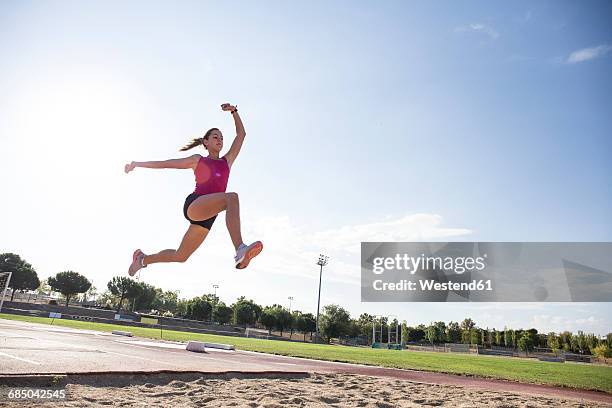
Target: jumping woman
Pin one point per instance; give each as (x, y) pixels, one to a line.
(209, 198)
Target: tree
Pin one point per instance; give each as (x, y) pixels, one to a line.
(295, 316)
(525, 342)
(211, 298)
(364, 324)
(353, 330)
(199, 308)
(23, 276)
(465, 336)
(334, 321)
(440, 331)
(574, 343)
(553, 342)
(307, 324)
(167, 301)
(246, 311)
(123, 287)
(430, 334)
(467, 324)
(69, 283)
(417, 334)
(474, 336)
(222, 313)
(405, 337)
(145, 296)
(592, 342)
(283, 318)
(435, 332)
(300, 324)
(581, 341)
(268, 319)
(602, 351)
(453, 332)
(181, 307)
(507, 337)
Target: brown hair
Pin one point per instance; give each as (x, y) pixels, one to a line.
(198, 141)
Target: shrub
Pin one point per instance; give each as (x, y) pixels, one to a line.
(602, 351)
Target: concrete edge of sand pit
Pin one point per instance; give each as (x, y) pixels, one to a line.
(200, 347)
(33, 380)
(122, 333)
(122, 378)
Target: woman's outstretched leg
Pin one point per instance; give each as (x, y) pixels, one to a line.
(192, 239)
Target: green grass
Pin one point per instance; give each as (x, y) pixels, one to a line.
(583, 376)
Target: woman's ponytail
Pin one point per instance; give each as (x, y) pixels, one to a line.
(192, 144)
(198, 141)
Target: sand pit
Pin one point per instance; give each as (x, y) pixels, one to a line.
(316, 390)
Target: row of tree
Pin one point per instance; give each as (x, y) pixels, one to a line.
(335, 321)
(24, 277)
(466, 332)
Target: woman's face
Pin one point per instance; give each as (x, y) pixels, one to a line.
(215, 141)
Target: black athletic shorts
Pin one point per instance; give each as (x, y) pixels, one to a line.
(205, 223)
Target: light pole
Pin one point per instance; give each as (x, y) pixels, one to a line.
(290, 299)
(212, 312)
(321, 262)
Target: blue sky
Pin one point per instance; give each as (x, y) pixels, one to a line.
(403, 121)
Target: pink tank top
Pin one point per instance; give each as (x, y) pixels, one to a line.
(211, 175)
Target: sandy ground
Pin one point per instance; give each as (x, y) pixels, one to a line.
(316, 390)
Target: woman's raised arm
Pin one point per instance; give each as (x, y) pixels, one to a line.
(240, 133)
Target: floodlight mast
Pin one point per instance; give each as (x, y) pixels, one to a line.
(323, 259)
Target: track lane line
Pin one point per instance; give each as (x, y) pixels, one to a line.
(140, 358)
(21, 359)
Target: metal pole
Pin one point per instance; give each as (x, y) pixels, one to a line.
(373, 330)
(212, 312)
(321, 262)
(397, 332)
(319, 304)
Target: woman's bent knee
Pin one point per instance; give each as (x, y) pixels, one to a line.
(181, 258)
(231, 198)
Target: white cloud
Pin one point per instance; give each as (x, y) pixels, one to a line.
(586, 54)
(479, 28)
(293, 250)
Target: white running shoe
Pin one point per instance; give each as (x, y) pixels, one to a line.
(245, 253)
(137, 262)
